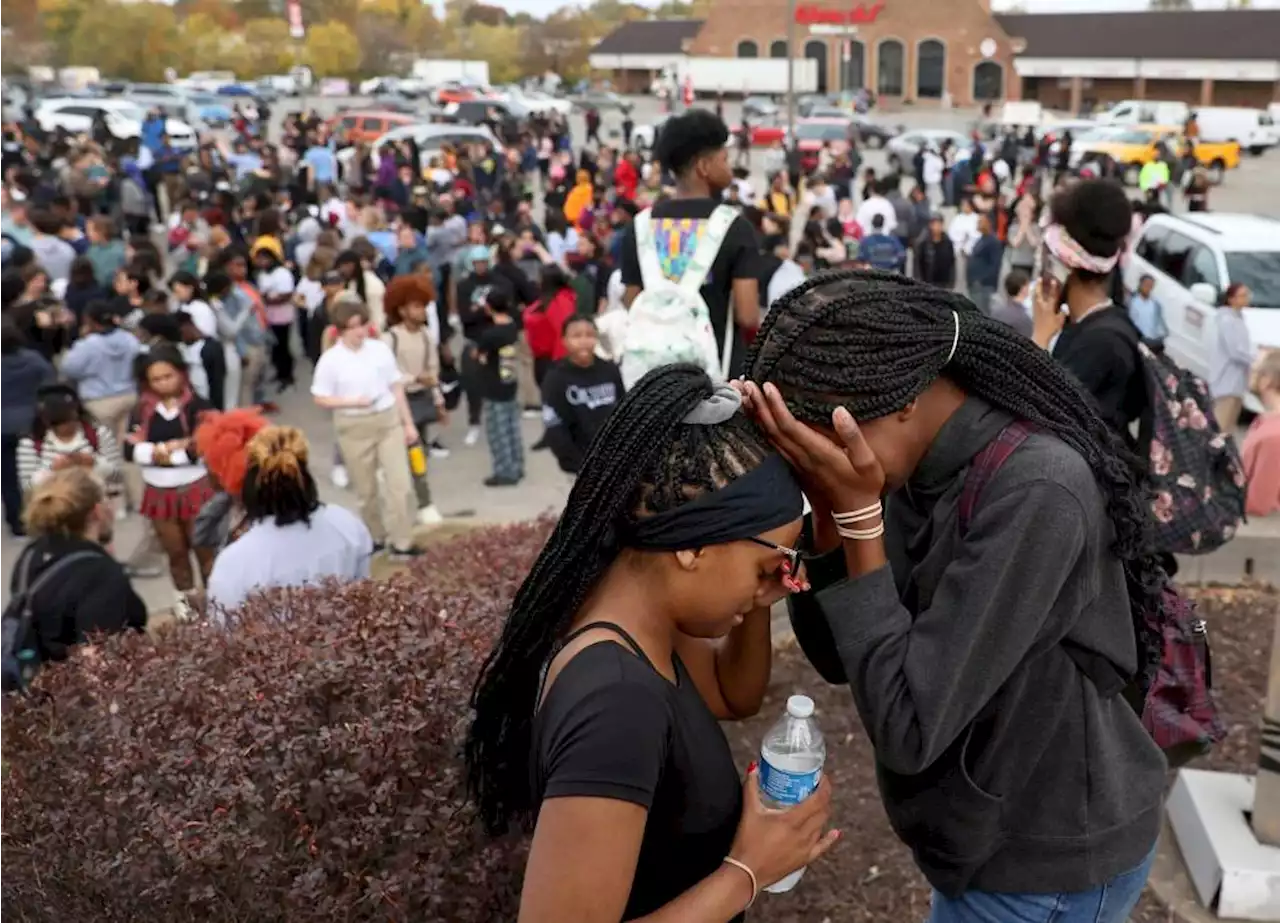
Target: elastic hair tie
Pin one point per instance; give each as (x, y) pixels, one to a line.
(955, 338)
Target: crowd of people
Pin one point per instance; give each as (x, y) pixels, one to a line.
(156, 304)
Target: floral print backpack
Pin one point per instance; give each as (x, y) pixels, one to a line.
(1196, 472)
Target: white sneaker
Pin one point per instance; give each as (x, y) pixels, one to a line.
(430, 516)
(530, 413)
(339, 477)
(438, 451)
(472, 437)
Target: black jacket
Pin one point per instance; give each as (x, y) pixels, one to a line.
(936, 262)
(88, 596)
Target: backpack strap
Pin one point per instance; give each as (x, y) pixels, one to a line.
(60, 564)
(1100, 671)
(647, 250)
(708, 248)
(986, 464)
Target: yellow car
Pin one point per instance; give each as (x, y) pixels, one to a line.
(1135, 145)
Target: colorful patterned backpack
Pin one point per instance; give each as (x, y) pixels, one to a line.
(1195, 471)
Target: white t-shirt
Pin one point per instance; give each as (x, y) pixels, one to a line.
(203, 317)
(964, 232)
(278, 281)
(369, 371)
(312, 293)
(334, 544)
(877, 205)
(933, 167)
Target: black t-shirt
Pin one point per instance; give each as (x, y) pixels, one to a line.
(678, 225)
(611, 726)
(499, 362)
(472, 292)
(1102, 352)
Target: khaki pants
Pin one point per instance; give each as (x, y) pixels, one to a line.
(255, 361)
(371, 443)
(528, 392)
(1226, 410)
(113, 413)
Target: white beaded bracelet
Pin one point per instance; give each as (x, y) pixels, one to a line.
(861, 535)
(862, 515)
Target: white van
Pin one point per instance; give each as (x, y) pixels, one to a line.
(1145, 112)
(1253, 129)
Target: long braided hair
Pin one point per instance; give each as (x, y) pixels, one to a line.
(644, 461)
(874, 341)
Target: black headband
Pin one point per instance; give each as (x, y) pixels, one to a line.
(760, 500)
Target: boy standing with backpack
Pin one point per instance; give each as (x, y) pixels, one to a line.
(691, 238)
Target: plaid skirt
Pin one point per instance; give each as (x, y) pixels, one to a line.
(180, 503)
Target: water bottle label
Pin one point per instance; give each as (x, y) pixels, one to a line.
(785, 787)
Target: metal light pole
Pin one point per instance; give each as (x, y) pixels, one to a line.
(791, 72)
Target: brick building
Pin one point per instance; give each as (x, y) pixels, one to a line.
(930, 51)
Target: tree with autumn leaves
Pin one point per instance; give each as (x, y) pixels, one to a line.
(344, 38)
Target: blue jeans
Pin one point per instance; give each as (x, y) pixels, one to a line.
(1110, 903)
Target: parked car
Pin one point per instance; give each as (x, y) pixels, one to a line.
(236, 89)
(903, 148)
(456, 92)
(430, 137)
(872, 134)
(1193, 258)
(538, 101)
(813, 135)
(210, 110)
(764, 133)
(1137, 145)
(759, 107)
(808, 102)
(643, 136)
(602, 100)
(124, 118)
(363, 125)
(1253, 129)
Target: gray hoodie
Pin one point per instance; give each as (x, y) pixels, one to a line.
(101, 364)
(999, 762)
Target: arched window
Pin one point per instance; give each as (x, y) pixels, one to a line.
(778, 49)
(988, 81)
(818, 51)
(890, 68)
(931, 69)
(748, 49)
(855, 66)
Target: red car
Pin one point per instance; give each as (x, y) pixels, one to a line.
(765, 134)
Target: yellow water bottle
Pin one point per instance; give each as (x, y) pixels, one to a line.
(417, 460)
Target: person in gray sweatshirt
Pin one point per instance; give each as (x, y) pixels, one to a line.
(100, 365)
(968, 638)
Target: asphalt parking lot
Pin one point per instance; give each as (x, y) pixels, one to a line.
(1253, 188)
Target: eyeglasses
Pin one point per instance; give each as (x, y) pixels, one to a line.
(792, 559)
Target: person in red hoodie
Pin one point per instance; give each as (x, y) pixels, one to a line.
(544, 319)
(626, 177)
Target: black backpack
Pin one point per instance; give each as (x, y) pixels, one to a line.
(20, 659)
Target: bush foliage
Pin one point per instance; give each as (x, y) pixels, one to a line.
(305, 765)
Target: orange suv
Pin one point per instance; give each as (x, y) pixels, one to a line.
(363, 126)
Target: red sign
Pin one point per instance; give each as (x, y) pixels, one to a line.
(861, 15)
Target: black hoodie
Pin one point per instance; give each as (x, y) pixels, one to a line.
(89, 595)
(576, 400)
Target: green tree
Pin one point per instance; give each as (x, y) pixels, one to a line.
(499, 45)
(268, 46)
(1172, 5)
(58, 20)
(331, 50)
(133, 40)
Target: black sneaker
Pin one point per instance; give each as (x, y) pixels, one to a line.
(539, 445)
(404, 554)
(379, 547)
(496, 481)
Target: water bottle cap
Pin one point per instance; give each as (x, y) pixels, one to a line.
(800, 706)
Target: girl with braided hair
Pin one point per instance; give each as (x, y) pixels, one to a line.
(976, 611)
(644, 620)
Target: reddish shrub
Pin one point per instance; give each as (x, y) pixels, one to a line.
(305, 765)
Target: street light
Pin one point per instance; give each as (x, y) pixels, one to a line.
(791, 71)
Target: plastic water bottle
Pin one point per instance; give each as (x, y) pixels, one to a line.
(791, 759)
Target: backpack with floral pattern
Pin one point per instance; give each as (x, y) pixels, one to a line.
(1196, 472)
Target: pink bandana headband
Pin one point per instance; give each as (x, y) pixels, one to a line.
(1067, 250)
